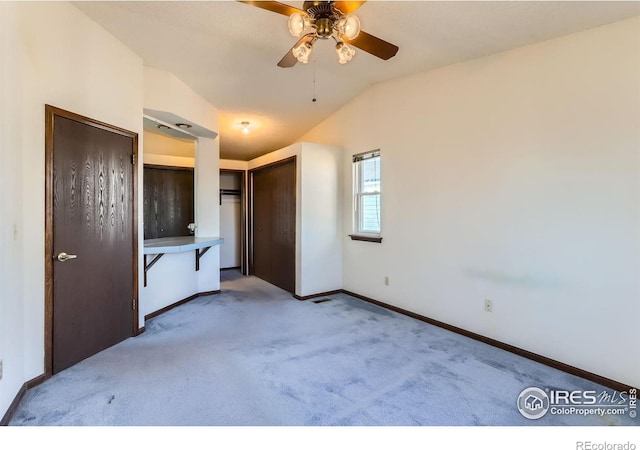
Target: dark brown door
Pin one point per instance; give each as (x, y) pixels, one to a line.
(274, 224)
(93, 222)
(168, 201)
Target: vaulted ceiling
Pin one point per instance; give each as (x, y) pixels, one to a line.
(227, 51)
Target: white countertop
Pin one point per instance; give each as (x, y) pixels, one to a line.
(179, 244)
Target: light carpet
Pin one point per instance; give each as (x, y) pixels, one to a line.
(253, 355)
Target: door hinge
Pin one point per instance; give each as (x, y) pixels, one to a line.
(133, 159)
(133, 304)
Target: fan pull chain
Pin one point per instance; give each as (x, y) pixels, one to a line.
(314, 81)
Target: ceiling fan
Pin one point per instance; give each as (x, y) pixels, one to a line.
(325, 20)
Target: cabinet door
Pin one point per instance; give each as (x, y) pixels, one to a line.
(168, 201)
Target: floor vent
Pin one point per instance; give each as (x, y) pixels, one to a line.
(322, 300)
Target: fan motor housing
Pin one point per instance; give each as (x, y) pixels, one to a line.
(324, 28)
(318, 9)
(322, 15)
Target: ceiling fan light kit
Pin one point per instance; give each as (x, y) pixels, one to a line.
(298, 23)
(345, 53)
(348, 27)
(323, 20)
(302, 52)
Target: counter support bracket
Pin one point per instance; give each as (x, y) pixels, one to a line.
(148, 266)
(200, 254)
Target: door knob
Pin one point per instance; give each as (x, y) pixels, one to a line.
(62, 257)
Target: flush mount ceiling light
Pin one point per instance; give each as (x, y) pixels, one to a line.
(162, 126)
(183, 125)
(245, 127)
(325, 20)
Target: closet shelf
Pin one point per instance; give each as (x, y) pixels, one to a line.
(228, 192)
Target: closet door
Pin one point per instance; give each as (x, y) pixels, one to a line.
(274, 224)
(262, 223)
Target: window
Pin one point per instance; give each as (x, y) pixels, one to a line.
(366, 190)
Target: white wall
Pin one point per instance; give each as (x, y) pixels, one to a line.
(163, 150)
(230, 180)
(207, 180)
(514, 177)
(321, 231)
(55, 56)
(168, 160)
(233, 164)
(166, 93)
(11, 230)
(157, 143)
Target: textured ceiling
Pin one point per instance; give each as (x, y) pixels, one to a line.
(227, 52)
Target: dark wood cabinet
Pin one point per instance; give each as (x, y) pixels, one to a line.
(168, 201)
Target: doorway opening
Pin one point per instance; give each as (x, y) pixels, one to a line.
(232, 202)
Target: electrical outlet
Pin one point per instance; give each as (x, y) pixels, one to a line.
(386, 281)
(488, 305)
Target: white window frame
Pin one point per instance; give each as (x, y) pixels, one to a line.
(358, 194)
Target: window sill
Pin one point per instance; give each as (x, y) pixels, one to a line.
(360, 237)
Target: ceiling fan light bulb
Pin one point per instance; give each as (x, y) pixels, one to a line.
(302, 52)
(345, 52)
(349, 27)
(298, 23)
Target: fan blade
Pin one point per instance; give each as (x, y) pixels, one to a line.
(275, 7)
(375, 46)
(289, 59)
(348, 7)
